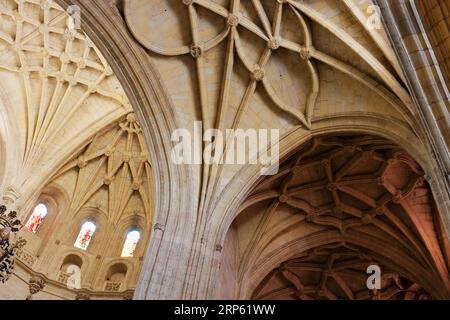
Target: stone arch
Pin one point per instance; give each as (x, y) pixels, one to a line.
(227, 206)
(102, 23)
(434, 280)
(56, 199)
(116, 46)
(125, 269)
(72, 259)
(402, 263)
(72, 255)
(384, 128)
(124, 226)
(120, 264)
(98, 218)
(411, 270)
(117, 268)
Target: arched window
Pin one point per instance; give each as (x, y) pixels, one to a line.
(39, 213)
(117, 273)
(85, 235)
(71, 271)
(131, 241)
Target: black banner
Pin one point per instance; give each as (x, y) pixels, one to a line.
(174, 310)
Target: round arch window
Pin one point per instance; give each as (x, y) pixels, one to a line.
(85, 235)
(37, 217)
(131, 242)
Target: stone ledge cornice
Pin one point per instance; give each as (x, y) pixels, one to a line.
(59, 285)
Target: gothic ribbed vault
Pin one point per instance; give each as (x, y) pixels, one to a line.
(365, 172)
(337, 206)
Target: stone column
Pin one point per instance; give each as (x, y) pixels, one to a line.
(408, 37)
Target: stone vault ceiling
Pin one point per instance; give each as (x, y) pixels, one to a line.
(282, 45)
(112, 174)
(304, 67)
(109, 183)
(337, 206)
(268, 64)
(334, 272)
(307, 68)
(68, 140)
(57, 90)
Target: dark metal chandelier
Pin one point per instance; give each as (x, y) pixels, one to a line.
(9, 223)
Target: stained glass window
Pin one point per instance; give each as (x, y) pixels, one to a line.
(39, 213)
(85, 235)
(130, 243)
